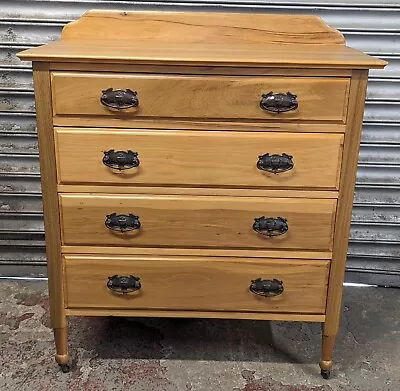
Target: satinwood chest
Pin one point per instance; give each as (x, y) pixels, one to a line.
(198, 165)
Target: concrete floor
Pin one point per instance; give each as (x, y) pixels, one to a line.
(198, 354)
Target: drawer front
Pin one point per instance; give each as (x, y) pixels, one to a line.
(218, 97)
(210, 284)
(197, 221)
(199, 158)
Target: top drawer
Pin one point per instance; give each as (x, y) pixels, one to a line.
(205, 97)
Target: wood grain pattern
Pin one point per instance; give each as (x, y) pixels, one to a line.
(41, 80)
(173, 38)
(198, 158)
(275, 193)
(196, 314)
(200, 77)
(199, 124)
(198, 27)
(200, 70)
(190, 284)
(345, 202)
(203, 252)
(218, 97)
(197, 221)
(205, 54)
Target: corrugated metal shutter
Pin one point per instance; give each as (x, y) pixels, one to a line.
(370, 25)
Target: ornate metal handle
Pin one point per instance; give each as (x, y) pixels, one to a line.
(124, 284)
(266, 288)
(122, 222)
(275, 163)
(279, 103)
(121, 160)
(119, 99)
(270, 226)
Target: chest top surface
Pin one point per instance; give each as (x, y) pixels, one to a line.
(199, 38)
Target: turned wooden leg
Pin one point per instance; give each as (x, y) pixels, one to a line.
(328, 342)
(61, 341)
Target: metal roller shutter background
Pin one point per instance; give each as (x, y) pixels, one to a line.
(370, 25)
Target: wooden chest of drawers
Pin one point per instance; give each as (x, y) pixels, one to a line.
(198, 165)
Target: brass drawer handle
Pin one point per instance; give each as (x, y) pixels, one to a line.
(124, 284)
(121, 160)
(121, 222)
(279, 103)
(270, 226)
(275, 163)
(266, 288)
(119, 99)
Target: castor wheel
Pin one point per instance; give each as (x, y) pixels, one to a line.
(326, 374)
(64, 368)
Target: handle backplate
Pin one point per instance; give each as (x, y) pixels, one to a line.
(278, 102)
(270, 226)
(121, 160)
(275, 163)
(119, 99)
(266, 288)
(123, 284)
(122, 222)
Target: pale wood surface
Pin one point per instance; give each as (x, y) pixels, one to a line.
(61, 342)
(198, 158)
(328, 343)
(199, 124)
(262, 55)
(197, 221)
(198, 27)
(218, 97)
(207, 252)
(196, 314)
(41, 79)
(201, 70)
(345, 202)
(278, 193)
(228, 39)
(190, 284)
(196, 251)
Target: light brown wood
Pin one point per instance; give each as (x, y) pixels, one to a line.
(328, 343)
(345, 202)
(196, 124)
(196, 314)
(263, 253)
(198, 158)
(202, 38)
(61, 342)
(200, 77)
(197, 221)
(189, 284)
(206, 54)
(276, 193)
(219, 97)
(198, 27)
(202, 70)
(41, 79)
